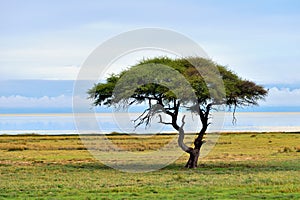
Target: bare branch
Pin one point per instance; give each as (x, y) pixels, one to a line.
(143, 118)
(181, 143)
(140, 116)
(183, 122)
(146, 116)
(131, 102)
(208, 108)
(160, 121)
(234, 120)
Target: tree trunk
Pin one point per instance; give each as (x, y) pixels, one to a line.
(193, 160)
(195, 152)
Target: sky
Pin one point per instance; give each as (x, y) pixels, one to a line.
(43, 44)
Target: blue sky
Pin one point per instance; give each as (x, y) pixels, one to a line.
(47, 41)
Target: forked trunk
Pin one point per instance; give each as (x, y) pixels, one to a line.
(195, 152)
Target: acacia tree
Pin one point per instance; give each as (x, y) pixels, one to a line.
(163, 98)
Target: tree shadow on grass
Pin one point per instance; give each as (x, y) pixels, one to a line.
(230, 167)
(135, 168)
(90, 166)
(205, 168)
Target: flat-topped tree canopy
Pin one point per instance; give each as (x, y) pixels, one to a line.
(238, 92)
(166, 85)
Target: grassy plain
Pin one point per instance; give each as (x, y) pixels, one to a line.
(241, 166)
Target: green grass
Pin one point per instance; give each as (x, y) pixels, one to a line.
(241, 166)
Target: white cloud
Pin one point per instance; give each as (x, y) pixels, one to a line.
(30, 102)
(61, 101)
(282, 97)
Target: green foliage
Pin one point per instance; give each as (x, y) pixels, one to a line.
(204, 87)
(103, 92)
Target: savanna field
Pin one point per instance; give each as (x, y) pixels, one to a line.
(241, 166)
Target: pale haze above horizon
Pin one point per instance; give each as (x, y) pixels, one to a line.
(44, 43)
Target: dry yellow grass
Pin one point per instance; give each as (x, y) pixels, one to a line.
(241, 166)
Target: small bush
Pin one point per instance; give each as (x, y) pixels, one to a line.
(286, 150)
(16, 149)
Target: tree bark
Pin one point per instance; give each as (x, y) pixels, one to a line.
(193, 160)
(195, 152)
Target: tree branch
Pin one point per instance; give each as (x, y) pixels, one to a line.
(160, 121)
(181, 143)
(146, 116)
(183, 122)
(233, 115)
(142, 118)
